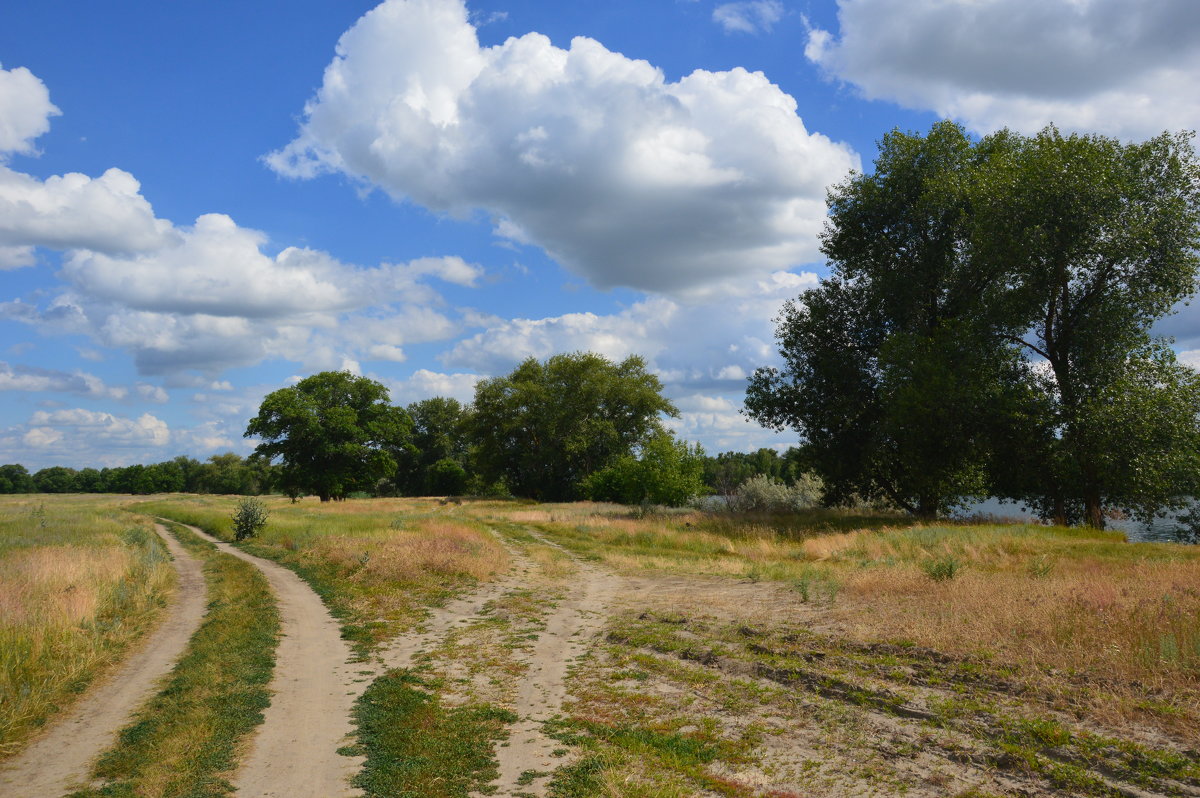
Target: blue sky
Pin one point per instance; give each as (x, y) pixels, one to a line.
(202, 201)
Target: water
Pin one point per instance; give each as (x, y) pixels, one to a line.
(1163, 530)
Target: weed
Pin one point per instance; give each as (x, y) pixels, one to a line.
(942, 569)
(249, 519)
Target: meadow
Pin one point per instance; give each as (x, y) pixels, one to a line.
(822, 652)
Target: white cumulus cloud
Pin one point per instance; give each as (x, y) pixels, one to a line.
(21, 377)
(106, 213)
(1121, 67)
(25, 110)
(622, 176)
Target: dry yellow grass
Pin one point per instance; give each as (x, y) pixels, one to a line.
(1066, 604)
(79, 582)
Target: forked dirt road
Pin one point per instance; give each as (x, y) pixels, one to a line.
(294, 754)
(59, 760)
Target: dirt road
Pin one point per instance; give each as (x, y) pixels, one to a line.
(59, 760)
(294, 753)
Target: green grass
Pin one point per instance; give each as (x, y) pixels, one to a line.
(418, 748)
(80, 583)
(186, 740)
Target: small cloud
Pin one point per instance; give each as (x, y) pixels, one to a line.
(480, 19)
(755, 16)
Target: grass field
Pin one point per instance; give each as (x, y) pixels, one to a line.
(80, 581)
(823, 653)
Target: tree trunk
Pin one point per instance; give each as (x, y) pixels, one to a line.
(1094, 511)
(1060, 511)
(325, 497)
(927, 508)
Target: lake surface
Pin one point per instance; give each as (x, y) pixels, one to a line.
(1161, 531)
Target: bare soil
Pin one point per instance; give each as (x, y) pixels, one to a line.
(60, 758)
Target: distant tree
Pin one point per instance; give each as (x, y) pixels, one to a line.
(546, 426)
(191, 470)
(227, 473)
(446, 477)
(89, 480)
(331, 433)
(166, 477)
(15, 479)
(666, 471)
(440, 437)
(55, 479)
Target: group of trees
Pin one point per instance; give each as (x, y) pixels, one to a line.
(222, 473)
(986, 327)
(575, 426)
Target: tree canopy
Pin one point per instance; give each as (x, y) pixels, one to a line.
(333, 433)
(986, 325)
(546, 426)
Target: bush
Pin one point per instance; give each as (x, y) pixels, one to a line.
(762, 492)
(249, 519)
(942, 569)
(669, 472)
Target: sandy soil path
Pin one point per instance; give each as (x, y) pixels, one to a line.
(294, 753)
(59, 759)
(570, 627)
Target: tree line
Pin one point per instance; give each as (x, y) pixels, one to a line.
(221, 473)
(986, 328)
(574, 426)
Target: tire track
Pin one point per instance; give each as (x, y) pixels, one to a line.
(294, 753)
(60, 759)
(570, 627)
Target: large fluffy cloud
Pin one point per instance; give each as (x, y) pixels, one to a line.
(25, 110)
(622, 176)
(106, 213)
(1122, 67)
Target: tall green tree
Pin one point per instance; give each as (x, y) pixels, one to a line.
(1103, 237)
(986, 325)
(546, 426)
(892, 361)
(332, 434)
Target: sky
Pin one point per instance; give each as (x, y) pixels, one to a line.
(204, 201)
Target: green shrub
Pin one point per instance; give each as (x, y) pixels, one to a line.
(249, 518)
(942, 569)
